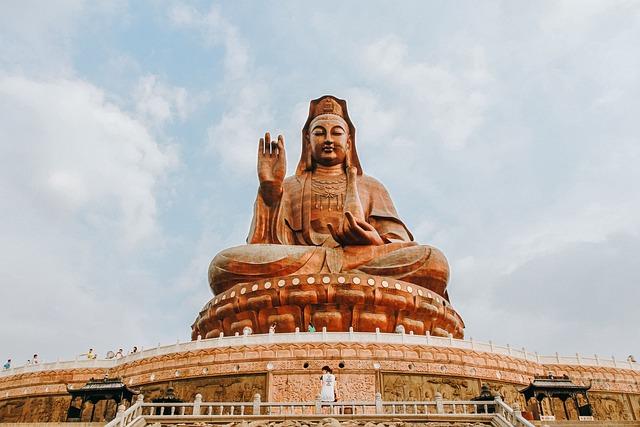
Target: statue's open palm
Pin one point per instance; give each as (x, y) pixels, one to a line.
(272, 166)
(272, 162)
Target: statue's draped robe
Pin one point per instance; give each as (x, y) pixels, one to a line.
(282, 242)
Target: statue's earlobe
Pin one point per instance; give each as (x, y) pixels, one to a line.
(309, 158)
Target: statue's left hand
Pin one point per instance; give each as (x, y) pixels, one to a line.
(355, 232)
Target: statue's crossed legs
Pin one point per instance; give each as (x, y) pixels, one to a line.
(422, 265)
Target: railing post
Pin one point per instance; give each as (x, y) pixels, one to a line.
(439, 404)
(499, 408)
(318, 404)
(196, 404)
(517, 412)
(378, 403)
(120, 414)
(256, 404)
(139, 402)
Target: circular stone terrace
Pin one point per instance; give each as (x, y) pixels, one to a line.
(354, 354)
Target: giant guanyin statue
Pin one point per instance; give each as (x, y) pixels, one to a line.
(326, 247)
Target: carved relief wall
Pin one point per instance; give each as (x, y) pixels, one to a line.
(43, 409)
(557, 409)
(304, 387)
(232, 388)
(424, 387)
(609, 406)
(634, 401)
(213, 389)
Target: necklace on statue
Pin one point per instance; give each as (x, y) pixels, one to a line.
(329, 193)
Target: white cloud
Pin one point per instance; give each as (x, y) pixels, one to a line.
(37, 35)
(79, 182)
(451, 101)
(158, 102)
(216, 30)
(38, 38)
(234, 139)
(74, 153)
(247, 109)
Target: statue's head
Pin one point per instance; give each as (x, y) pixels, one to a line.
(328, 136)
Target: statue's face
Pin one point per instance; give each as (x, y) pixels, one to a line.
(329, 139)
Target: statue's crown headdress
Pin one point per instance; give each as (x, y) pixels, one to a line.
(327, 105)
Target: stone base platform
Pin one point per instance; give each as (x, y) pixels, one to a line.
(336, 302)
(286, 367)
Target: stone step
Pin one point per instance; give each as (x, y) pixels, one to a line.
(56, 424)
(331, 423)
(573, 423)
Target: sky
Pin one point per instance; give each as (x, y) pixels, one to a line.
(507, 134)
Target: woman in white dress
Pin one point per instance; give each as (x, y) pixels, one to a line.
(328, 391)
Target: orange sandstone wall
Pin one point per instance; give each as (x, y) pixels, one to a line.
(290, 372)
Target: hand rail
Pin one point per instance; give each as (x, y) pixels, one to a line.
(512, 415)
(199, 410)
(126, 417)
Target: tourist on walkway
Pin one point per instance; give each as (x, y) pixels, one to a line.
(7, 365)
(119, 354)
(272, 328)
(311, 328)
(328, 380)
(134, 350)
(90, 354)
(35, 359)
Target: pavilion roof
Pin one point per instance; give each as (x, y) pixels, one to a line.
(105, 386)
(553, 385)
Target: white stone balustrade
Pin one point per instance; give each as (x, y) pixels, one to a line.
(143, 413)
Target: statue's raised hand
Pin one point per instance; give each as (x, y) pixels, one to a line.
(272, 167)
